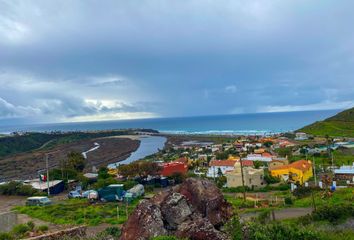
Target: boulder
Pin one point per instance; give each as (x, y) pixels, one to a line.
(208, 199)
(196, 209)
(145, 222)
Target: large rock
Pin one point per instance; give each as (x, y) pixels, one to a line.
(208, 200)
(144, 223)
(195, 210)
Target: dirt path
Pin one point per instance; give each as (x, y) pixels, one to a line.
(280, 214)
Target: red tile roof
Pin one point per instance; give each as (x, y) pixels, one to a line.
(220, 163)
(247, 163)
(173, 167)
(182, 160)
(265, 154)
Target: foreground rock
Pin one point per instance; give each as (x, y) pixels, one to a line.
(196, 209)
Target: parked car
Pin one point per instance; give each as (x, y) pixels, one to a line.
(74, 194)
(38, 201)
(90, 194)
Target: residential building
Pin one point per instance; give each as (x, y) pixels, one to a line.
(345, 173)
(171, 168)
(299, 171)
(277, 162)
(217, 166)
(301, 136)
(252, 177)
(264, 157)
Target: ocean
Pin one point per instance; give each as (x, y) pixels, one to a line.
(245, 124)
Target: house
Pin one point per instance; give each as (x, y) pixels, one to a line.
(55, 186)
(299, 171)
(259, 150)
(182, 160)
(345, 173)
(171, 168)
(277, 162)
(252, 177)
(264, 157)
(217, 166)
(301, 136)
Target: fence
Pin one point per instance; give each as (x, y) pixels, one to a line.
(7, 221)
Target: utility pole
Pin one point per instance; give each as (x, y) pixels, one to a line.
(314, 170)
(243, 181)
(46, 163)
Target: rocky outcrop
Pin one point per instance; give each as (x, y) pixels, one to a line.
(196, 209)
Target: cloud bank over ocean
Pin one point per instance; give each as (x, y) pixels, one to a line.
(88, 60)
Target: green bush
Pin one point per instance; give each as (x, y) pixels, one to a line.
(42, 228)
(270, 179)
(279, 231)
(301, 192)
(6, 236)
(20, 229)
(333, 214)
(239, 189)
(288, 201)
(31, 225)
(17, 188)
(113, 231)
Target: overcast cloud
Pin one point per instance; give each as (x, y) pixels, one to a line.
(99, 60)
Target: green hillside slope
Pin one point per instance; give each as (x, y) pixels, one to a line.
(340, 125)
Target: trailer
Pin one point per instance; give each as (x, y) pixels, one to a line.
(111, 193)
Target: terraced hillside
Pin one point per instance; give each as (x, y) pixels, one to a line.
(340, 125)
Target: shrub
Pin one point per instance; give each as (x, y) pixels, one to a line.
(113, 231)
(239, 189)
(17, 188)
(256, 231)
(270, 179)
(333, 214)
(6, 236)
(42, 228)
(20, 229)
(301, 192)
(31, 225)
(234, 228)
(288, 201)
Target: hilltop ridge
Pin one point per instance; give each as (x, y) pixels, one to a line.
(339, 125)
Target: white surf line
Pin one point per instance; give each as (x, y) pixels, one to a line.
(97, 146)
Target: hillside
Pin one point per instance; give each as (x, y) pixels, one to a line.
(340, 125)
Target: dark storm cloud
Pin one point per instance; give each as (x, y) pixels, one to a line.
(170, 58)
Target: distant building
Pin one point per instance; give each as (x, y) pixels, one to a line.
(55, 186)
(277, 163)
(171, 168)
(345, 173)
(215, 166)
(301, 136)
(299, 171)
(264, 157)
(252, 177)
(259, 150)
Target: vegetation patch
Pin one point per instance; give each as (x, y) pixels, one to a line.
(79, 211)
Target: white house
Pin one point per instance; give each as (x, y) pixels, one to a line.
(223, 165)
(259, 157)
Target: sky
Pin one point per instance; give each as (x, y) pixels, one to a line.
(85, 60)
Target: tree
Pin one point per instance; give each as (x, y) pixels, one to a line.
(257, 164)
(76, 161)
(222, 155)
(268, 144)
(141, 169)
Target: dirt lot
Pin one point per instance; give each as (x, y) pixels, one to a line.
(25, 165)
